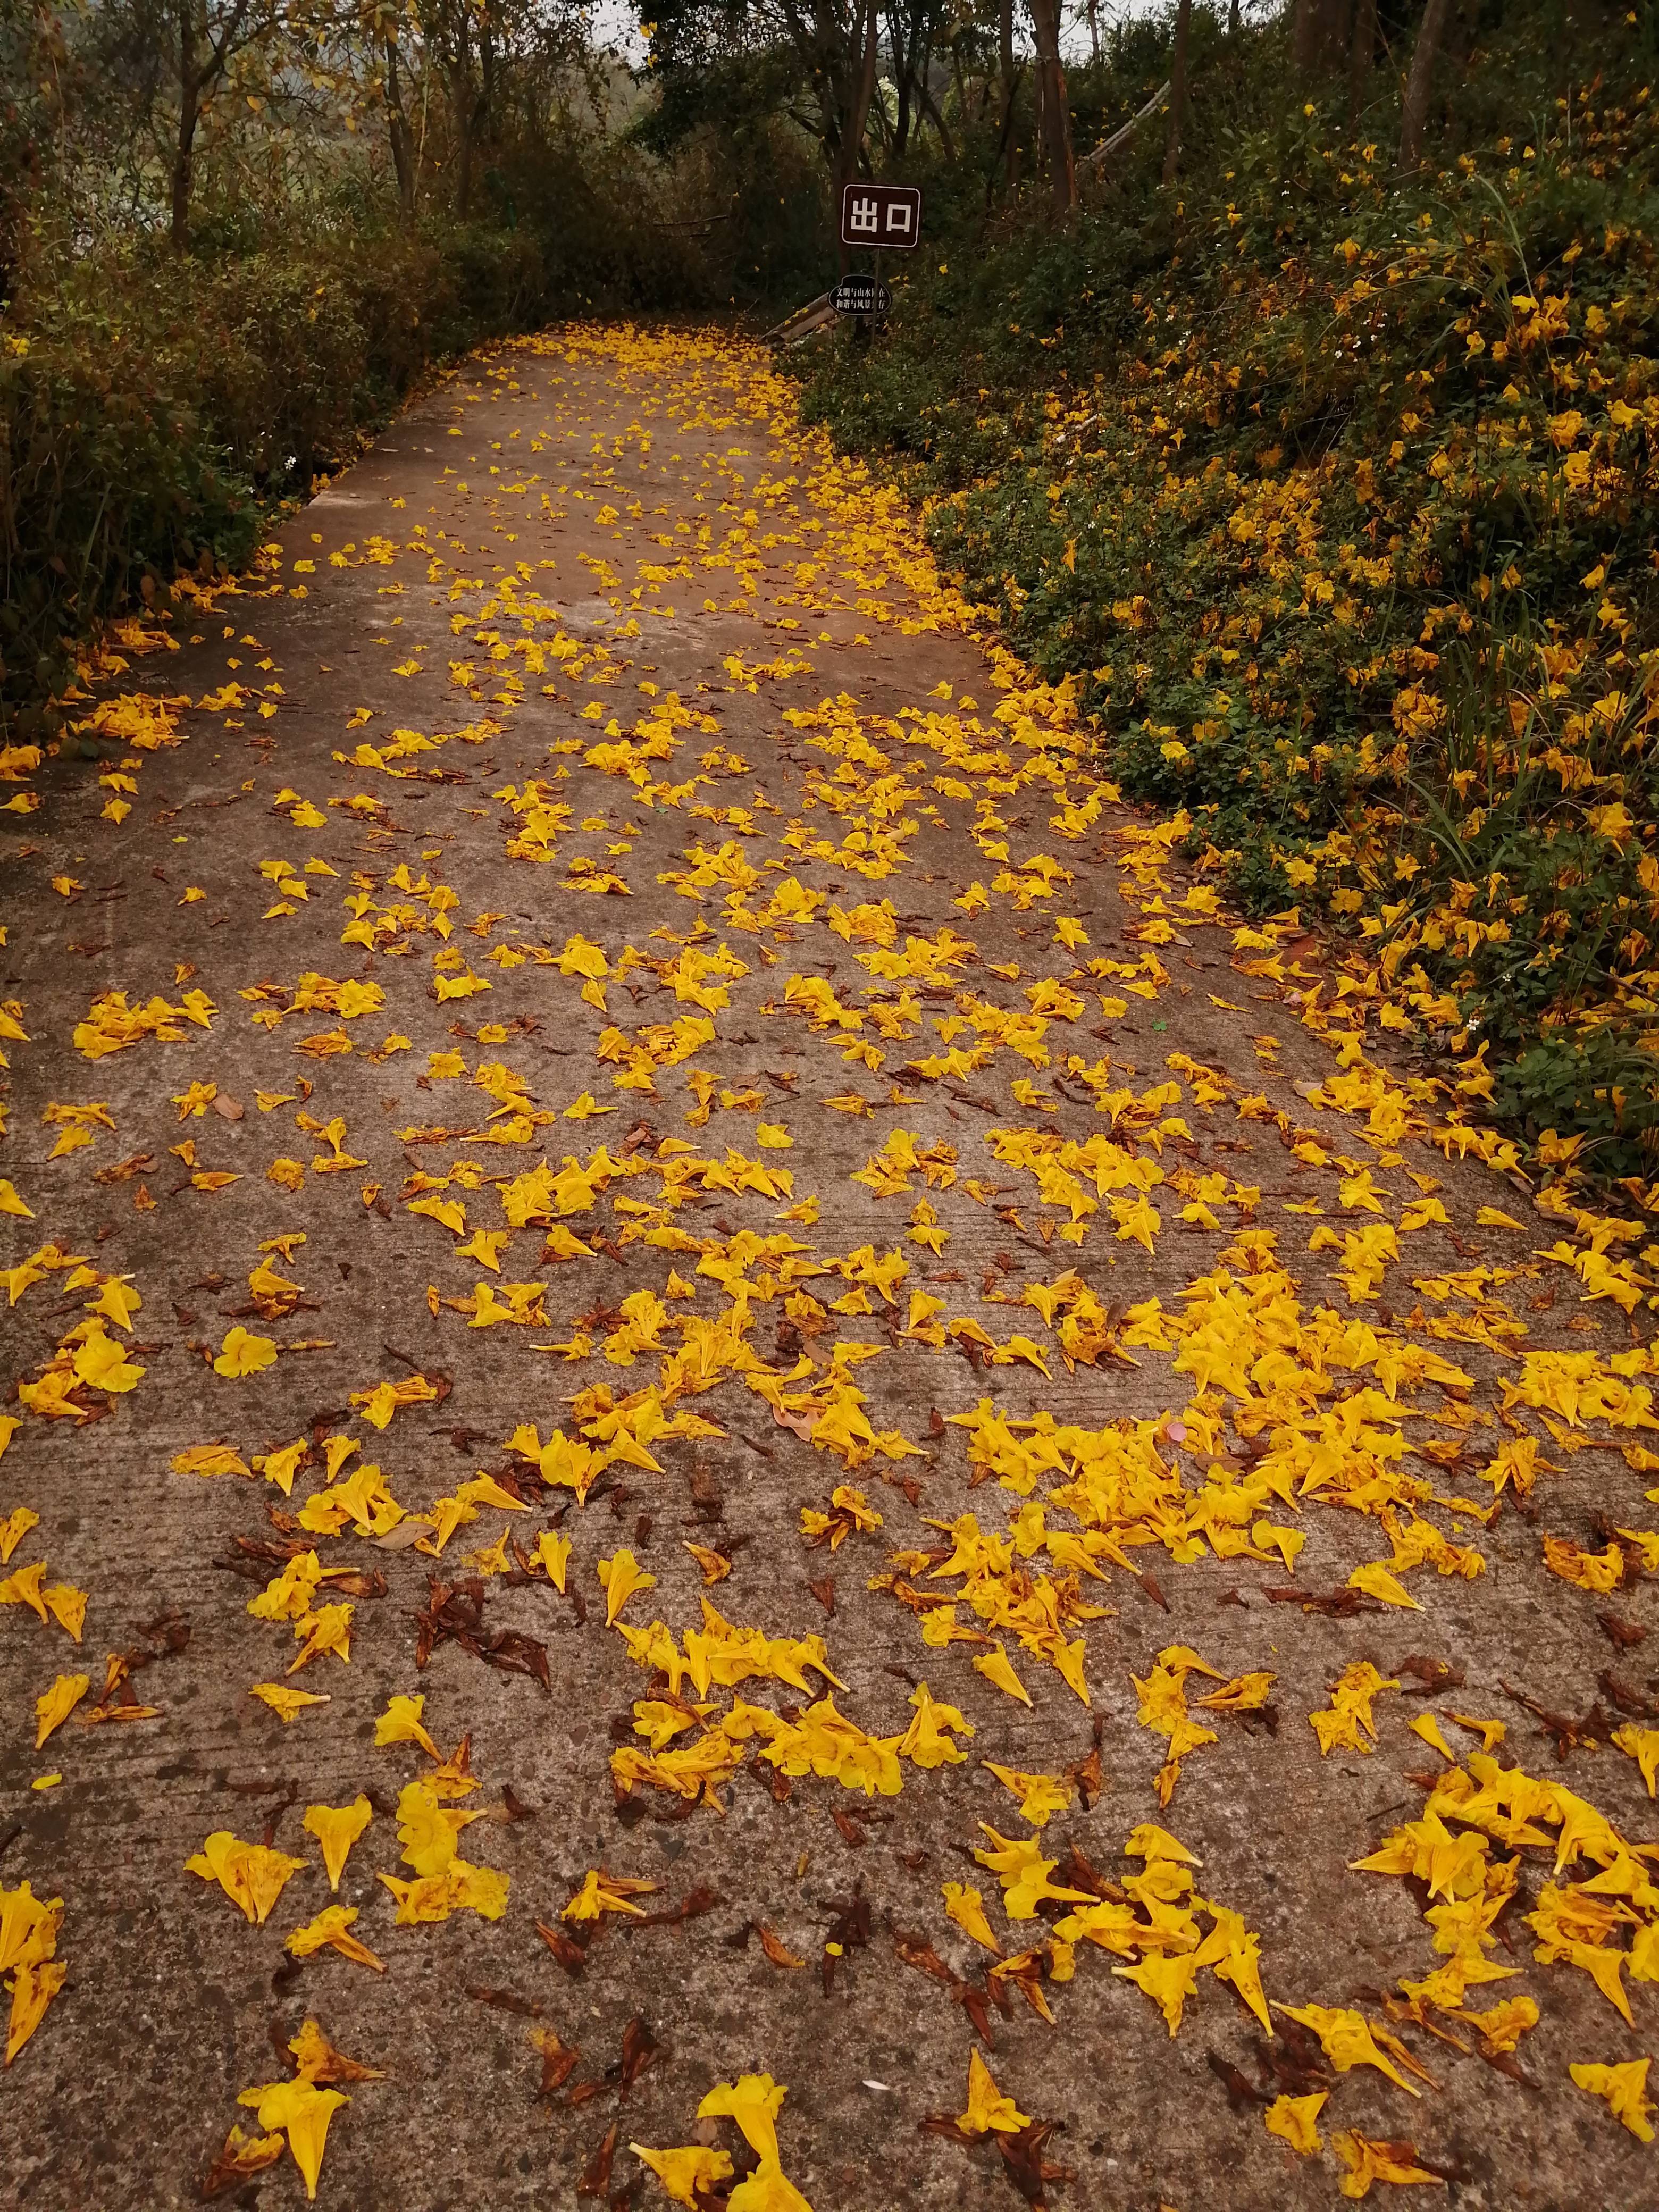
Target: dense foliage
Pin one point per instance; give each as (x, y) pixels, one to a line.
(1336, 493)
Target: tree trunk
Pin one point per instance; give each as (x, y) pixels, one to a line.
(1319, 38)
(1094, 31)
(1418, 82)
(1007, 152)
(934, 113)
(1178, 92)
(464, 101)
(464, 157)
(463, 165)
(190, 112)
(484, 113)
(1232, 19)
(903, 52)
(1056, 115)
(866, 92)
(1009, 88)
(852, 126)
(1304, 38)
(403, 153)
(1362, 52)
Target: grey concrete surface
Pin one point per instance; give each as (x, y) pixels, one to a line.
(556, 469)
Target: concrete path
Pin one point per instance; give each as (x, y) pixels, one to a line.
(619, 1139)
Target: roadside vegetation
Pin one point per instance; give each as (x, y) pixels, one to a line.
(1330, 480)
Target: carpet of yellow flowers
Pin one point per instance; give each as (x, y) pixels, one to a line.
(1029, 1456)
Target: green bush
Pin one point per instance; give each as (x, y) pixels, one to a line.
(151, 406)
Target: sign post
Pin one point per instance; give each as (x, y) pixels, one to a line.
(879, 216)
